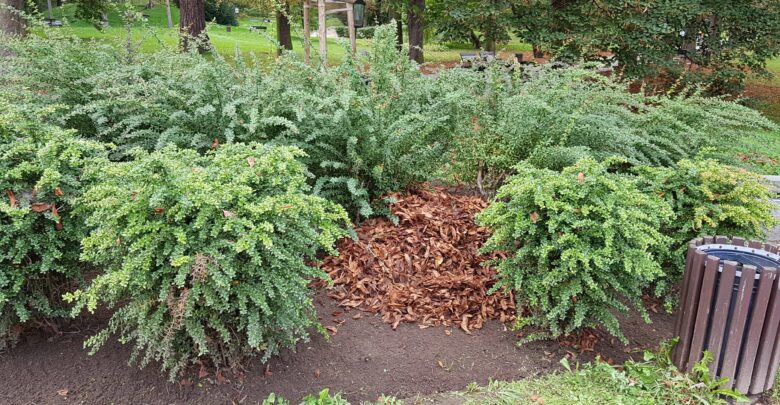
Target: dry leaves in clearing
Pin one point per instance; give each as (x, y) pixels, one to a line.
(425, 270)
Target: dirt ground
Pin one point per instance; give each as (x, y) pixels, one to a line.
(363, 360)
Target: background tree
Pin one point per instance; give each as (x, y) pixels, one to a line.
(415, 23)
(192, 24)
(11, 22)
(481, 23)
(283, 29)
(724, 39)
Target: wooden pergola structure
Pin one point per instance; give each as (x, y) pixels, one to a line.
(322, 12)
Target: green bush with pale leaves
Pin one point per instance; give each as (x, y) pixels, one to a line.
(40, 233)
(206, 256)
(580, 245)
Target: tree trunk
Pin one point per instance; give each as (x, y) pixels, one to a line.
(415, 22)
(48, 7)
(475, 41)
(168, 13)
(192, 23)
(12, 23)
(283, 34)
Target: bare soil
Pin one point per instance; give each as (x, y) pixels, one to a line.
(364, 359)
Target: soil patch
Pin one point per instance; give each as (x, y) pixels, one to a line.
(363, 359)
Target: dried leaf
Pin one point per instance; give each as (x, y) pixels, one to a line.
(220, 377)
(215, 144)
(534, 217)
(580, 177)
(40, 207)
(58, 192)
(251, 161)
(11, 198)
(159, 211)
(228, 214)
(316, 373)
(203, 373)
(63, 392)
(332, 329)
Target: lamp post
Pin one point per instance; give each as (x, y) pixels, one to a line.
(355, 16)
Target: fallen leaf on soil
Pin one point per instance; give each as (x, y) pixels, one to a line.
(185, 382)
(63, 392)
(40, 207)
(357, 316)
(317, 373)
(203, 373)
(268, 371)
(425, 270)
(332, 329)
(220, 377)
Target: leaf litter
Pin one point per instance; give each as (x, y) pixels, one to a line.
(425, 270)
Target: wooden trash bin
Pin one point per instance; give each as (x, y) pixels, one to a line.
(730, 306)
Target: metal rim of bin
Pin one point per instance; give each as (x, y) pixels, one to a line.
(745, 344)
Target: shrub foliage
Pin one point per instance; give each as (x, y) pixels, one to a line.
(206, 256)
(580, 243)
(40, 181)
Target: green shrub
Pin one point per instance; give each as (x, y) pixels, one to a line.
(580, 243)
(365, 131)
(708, 198)
(40, 233)
(360, 33)
(554, 117)
(206, 256)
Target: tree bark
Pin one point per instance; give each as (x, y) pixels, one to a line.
(283, 31)
(192, 23)
(168, 13)
(415, 22)
(12, 23)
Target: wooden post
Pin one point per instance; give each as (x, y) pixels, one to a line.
(307, 31)
(351, 25)
(323, 34)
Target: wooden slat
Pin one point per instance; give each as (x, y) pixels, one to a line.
(737, 328)
(708, 240)
(688, 313)
(721, 239)
(752, 339)
(738, 241)
(721, 313)
(768, 335)
(756, 244)
(703, 311)
(771, 248)
(684, 288)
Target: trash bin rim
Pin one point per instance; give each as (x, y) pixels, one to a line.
(742, 249)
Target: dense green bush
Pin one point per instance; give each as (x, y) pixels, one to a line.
(708, 198)
(365, 131)
(206, 256)
(360, 33)
(580, 243)
(553, 117)
(40, 181)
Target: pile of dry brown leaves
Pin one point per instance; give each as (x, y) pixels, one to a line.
(427, 269)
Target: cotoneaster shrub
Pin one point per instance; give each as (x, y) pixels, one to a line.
(40, 232)
(708, 198)
(552, 117)
(206, 256)
(580, 244)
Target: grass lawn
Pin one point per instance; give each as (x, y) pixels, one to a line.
(154, 33)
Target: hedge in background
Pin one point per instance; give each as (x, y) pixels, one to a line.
(206, 256)
(580, 243)
(40, 233)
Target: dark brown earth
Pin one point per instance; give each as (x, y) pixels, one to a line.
(364, 359)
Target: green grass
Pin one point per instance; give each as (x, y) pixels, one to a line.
(154, 34)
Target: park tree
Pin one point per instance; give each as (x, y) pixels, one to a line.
(481, 23)
(722, 40)
(192, 24)
(415, 23)
(11, 21)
